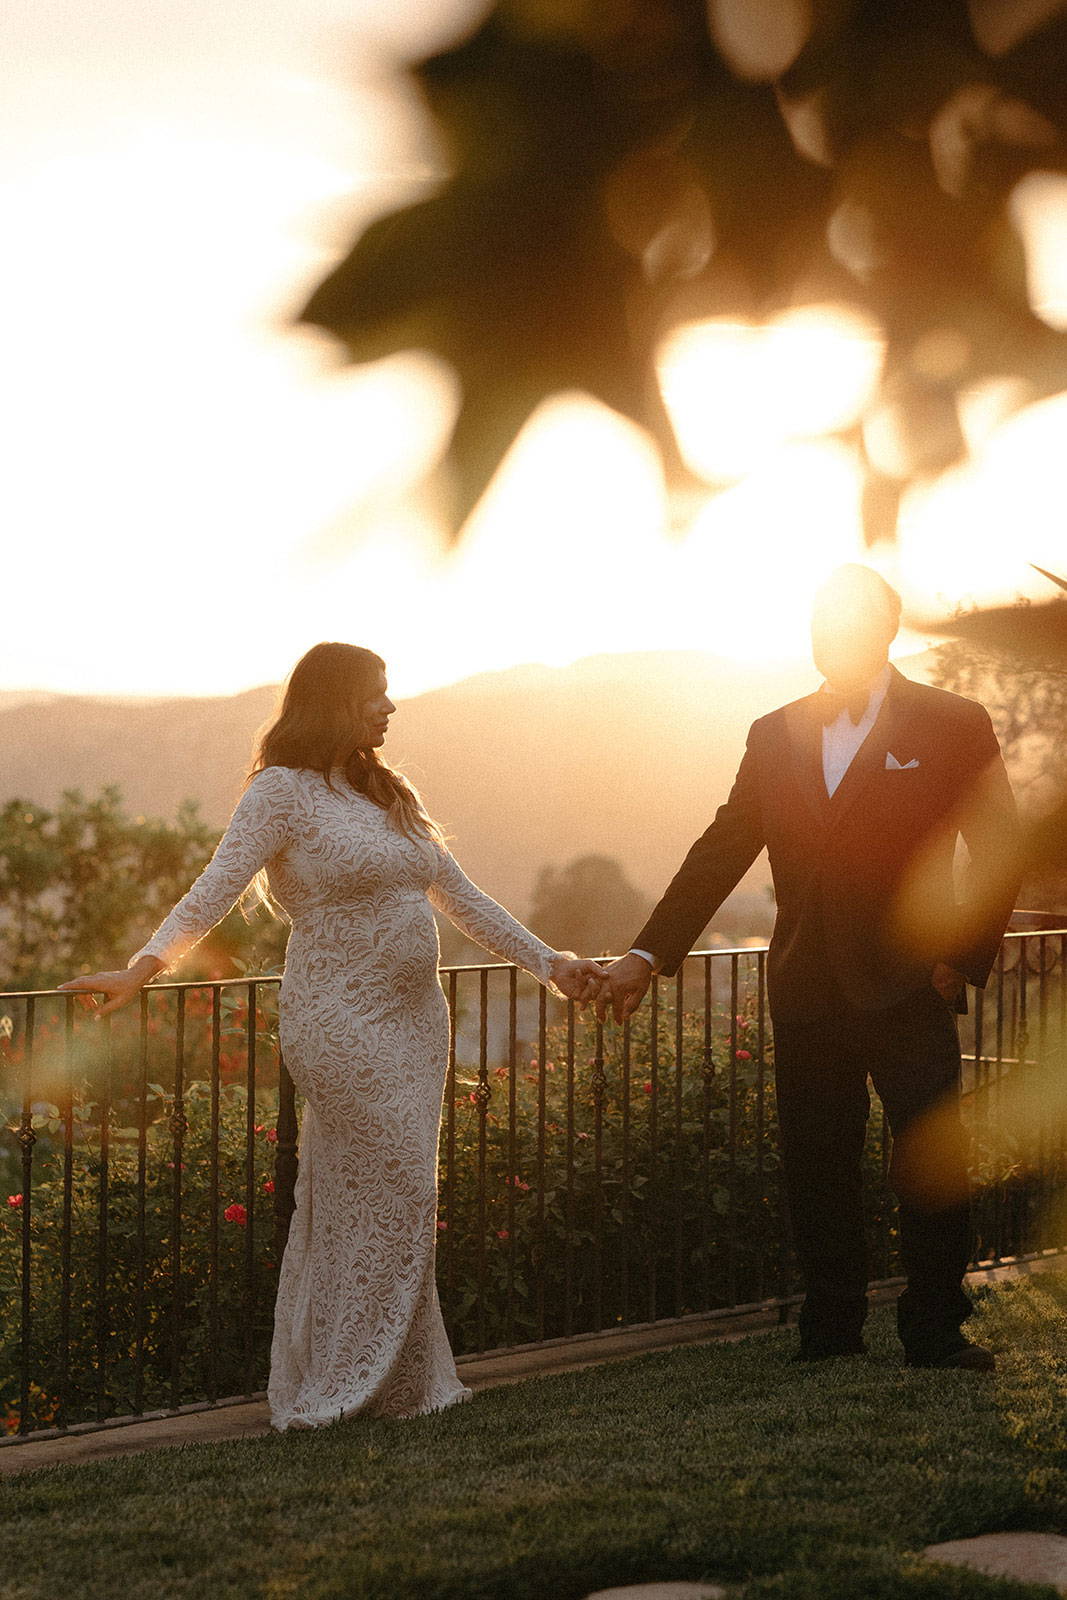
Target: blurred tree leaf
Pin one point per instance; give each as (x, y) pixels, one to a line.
(620, 167)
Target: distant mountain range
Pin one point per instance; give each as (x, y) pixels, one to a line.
(621, 755)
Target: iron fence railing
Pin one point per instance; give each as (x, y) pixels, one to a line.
(590, 1177)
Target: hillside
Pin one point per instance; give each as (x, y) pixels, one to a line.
(626, 756)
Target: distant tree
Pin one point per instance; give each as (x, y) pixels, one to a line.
(1027, 700)
(81, 887)
(589, 906)
(1028, 705)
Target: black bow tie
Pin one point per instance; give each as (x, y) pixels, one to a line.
(829, 704)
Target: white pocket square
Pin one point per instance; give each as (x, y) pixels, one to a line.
(893, 765)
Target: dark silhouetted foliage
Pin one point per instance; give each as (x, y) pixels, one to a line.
(620, 168)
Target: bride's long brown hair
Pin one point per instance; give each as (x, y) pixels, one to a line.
(317, 727)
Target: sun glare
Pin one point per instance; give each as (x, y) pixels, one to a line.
(243, 495)
(968, 538)
(737, 392)
(755, 555)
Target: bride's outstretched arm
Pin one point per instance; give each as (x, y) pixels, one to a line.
(485, 921)
(259, 828)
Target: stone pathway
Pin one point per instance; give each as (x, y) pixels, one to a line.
(661, 1591)
(1026, 1557)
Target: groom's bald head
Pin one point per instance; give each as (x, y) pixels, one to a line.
(854, 620)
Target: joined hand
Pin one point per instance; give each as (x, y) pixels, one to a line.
(580, 980)
(625, 983)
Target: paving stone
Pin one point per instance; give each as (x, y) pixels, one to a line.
(663, 1591)
(1027, 1557)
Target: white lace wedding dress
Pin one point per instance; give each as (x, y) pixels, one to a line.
(364, 1032)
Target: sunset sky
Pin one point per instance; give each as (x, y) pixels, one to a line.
(193, 493)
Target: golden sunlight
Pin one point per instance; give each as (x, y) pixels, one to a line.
(747, 573)
(189, 438)
(968, 538)
(737, 392)
(1039, 212)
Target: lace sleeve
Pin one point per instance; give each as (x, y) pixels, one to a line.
(259, 828)
(486, 922)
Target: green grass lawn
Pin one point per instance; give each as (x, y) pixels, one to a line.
(727, 1462)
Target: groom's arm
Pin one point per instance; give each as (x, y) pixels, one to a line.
(713, 868)
(989, 823)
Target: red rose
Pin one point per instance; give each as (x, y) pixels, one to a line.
(236, 1213)
(502, 1233)
(442, 1224)
(744, 1055)
(272, 1136)
(648, 1088)
(268, 1186)
(14, 1201)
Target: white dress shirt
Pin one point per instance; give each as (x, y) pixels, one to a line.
(841, 740)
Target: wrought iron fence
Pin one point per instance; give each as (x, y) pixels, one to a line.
(590, 1177)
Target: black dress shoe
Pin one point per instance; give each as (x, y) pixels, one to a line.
(829, 1349)
(969, 1357)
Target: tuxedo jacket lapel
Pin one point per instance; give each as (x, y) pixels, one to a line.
(804, 729)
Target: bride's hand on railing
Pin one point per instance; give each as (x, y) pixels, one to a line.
(120, 987)
(579, 980)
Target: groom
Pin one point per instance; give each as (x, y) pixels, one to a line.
(859, 792)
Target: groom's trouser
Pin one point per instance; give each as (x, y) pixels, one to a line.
(823, 1055)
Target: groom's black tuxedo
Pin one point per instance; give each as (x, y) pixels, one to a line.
(866, 907)
(863, 878)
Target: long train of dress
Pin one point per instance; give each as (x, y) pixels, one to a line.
(363, 1026)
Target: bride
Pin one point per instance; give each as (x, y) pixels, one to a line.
(328, 831)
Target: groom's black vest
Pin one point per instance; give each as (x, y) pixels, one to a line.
(863, 878)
